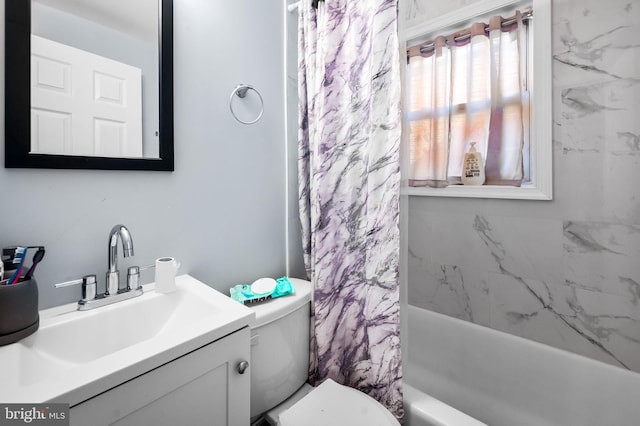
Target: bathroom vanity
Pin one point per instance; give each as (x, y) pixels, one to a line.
(177, 358)
(202, 387)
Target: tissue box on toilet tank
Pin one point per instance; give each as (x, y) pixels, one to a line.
(18, 311)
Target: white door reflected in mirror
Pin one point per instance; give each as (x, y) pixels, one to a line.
(99, 62)
(83, 103)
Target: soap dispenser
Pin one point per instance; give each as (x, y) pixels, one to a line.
(472, 167)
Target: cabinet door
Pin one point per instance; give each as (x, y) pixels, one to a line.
(203, 387)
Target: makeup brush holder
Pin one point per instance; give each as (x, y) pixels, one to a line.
(18, 311)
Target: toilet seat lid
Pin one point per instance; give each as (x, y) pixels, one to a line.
(336, 405)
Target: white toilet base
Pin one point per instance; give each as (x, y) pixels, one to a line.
(330, 404)
(273, 415)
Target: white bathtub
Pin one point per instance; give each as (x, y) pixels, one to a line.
(424, 410)
(500, 379)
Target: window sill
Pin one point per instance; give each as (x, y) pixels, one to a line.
(484, 191)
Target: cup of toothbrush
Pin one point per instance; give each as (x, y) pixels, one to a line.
(19, 316)
(18, 311)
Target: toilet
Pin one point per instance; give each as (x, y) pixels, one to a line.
(279, 364)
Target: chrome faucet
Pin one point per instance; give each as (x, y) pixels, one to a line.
(113, 280)
(113, 293)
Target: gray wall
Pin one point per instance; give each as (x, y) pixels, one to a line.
(564, 272)
(222, 212)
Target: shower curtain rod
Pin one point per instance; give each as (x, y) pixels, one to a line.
(293, 6)
(465, 34)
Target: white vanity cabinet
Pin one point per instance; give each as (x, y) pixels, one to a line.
(203, 387)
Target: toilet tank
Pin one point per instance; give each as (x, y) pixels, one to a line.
(280, 347)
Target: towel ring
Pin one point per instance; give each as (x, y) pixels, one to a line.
(241, 91)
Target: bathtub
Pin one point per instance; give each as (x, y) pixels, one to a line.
(422, 409)
(457, 373)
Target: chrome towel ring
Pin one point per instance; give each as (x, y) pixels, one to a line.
(241, 92)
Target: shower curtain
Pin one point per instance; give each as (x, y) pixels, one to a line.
(349, 177)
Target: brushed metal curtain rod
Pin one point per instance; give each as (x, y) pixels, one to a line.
(293, 6)
(465, 34)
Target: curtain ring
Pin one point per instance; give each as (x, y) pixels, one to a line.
(241, 91)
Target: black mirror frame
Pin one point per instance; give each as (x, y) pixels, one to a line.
(18, 106)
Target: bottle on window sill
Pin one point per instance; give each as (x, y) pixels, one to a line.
(472, 167)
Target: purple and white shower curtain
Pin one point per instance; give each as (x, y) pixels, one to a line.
(349, 180)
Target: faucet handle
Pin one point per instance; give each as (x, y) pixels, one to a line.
(68, 283)
(133, 277)
(89, 287)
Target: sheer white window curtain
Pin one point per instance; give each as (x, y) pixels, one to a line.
(469, 87)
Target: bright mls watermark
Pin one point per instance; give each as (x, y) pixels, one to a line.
(34, 414)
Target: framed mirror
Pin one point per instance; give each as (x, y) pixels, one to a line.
(89, 84)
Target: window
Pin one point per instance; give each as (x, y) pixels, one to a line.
(470, 78)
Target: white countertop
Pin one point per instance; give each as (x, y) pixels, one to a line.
(28, 375)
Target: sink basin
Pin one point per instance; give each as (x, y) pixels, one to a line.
(83, 337)
(75, 355)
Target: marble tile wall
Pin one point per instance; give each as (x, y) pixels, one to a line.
(566, 272)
